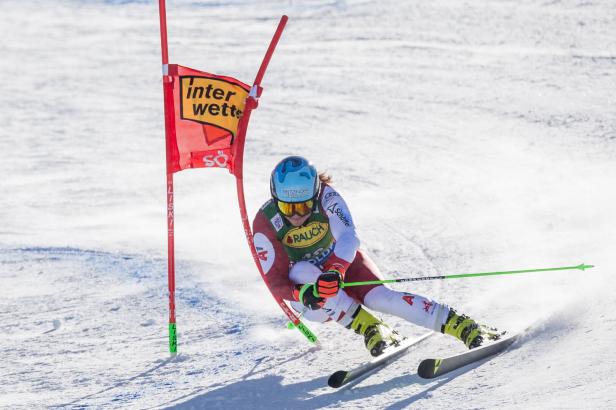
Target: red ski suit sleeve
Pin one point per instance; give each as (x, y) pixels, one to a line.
(273, 258)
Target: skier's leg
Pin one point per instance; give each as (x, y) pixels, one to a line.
(429, 314)
(413, 308)
(416, 309)
(343, 309)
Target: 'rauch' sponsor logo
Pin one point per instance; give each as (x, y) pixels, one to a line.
(306, 236)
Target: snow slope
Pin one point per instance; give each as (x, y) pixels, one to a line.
(466, 136)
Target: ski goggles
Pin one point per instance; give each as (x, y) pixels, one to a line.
(295, 208)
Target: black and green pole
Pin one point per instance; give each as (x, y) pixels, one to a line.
(581, 267)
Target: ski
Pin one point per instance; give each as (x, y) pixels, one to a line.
(342, 377)
(431, 368)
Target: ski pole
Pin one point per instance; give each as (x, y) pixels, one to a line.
(463, 275)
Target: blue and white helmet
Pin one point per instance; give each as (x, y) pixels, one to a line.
(294, 179)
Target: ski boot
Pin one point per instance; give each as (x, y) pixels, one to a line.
(468, 331)
(377, 335)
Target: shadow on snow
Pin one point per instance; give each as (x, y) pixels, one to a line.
(269, 392)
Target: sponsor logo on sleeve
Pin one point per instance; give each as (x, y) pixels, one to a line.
(265, 251)
(336, 210)
(330, 195)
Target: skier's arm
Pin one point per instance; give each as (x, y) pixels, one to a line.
(342, 228)
(273, 259)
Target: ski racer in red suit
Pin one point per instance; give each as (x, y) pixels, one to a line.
(305, 235)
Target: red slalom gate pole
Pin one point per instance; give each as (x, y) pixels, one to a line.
(169, 131)
(270, 50)
(238, 171)
(252, 103)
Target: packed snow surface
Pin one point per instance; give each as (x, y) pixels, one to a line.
(465, 137)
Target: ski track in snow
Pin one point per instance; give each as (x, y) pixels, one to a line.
(464, 136)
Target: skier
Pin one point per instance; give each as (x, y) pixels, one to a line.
(305, 235)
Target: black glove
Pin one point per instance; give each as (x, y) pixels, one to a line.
(308, 298)
(328, 283)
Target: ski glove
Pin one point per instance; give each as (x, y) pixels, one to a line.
(328, 283)
(308, 298)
